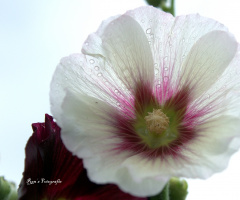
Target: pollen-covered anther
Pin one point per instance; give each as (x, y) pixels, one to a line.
(157, 121)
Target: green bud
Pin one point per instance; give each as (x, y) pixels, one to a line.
(175, 189)
(178, 189)
(7, 190)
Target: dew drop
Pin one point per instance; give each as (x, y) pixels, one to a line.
(142, 21)
(91, 61)
(149, 30)
(116, 90)
(165, 68)
(86, 43)
(155, 64)
(156, 71)
(118, 104)
(165, 79)
(158, 85)
(96, 68)
(99, 74)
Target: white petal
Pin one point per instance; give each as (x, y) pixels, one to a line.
(92, 45)
(124, 47)
(171, 39)
(85, 75)
(203, 157)
(144, 188)
(224, 94)
(86, 133)
(219, 139)
(207, 60)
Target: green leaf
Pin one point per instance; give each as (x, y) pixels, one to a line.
(154, 3)
(7, 190)
(165, 5)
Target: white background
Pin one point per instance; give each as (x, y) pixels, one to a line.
(34, 35)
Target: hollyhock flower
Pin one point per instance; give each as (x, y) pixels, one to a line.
(47, 159)
(151, 97)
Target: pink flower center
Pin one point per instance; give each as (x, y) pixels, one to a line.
(158, 127)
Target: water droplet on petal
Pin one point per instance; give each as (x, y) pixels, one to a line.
(86, 43)
(158, 85)
(165, 58)
(165, 68)
(165, 79)
(91, 61)
(116, 90)
(99, 74)
(142, 21)
(96, 68)
(149, 30)
(156, 71)
(155, 64)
